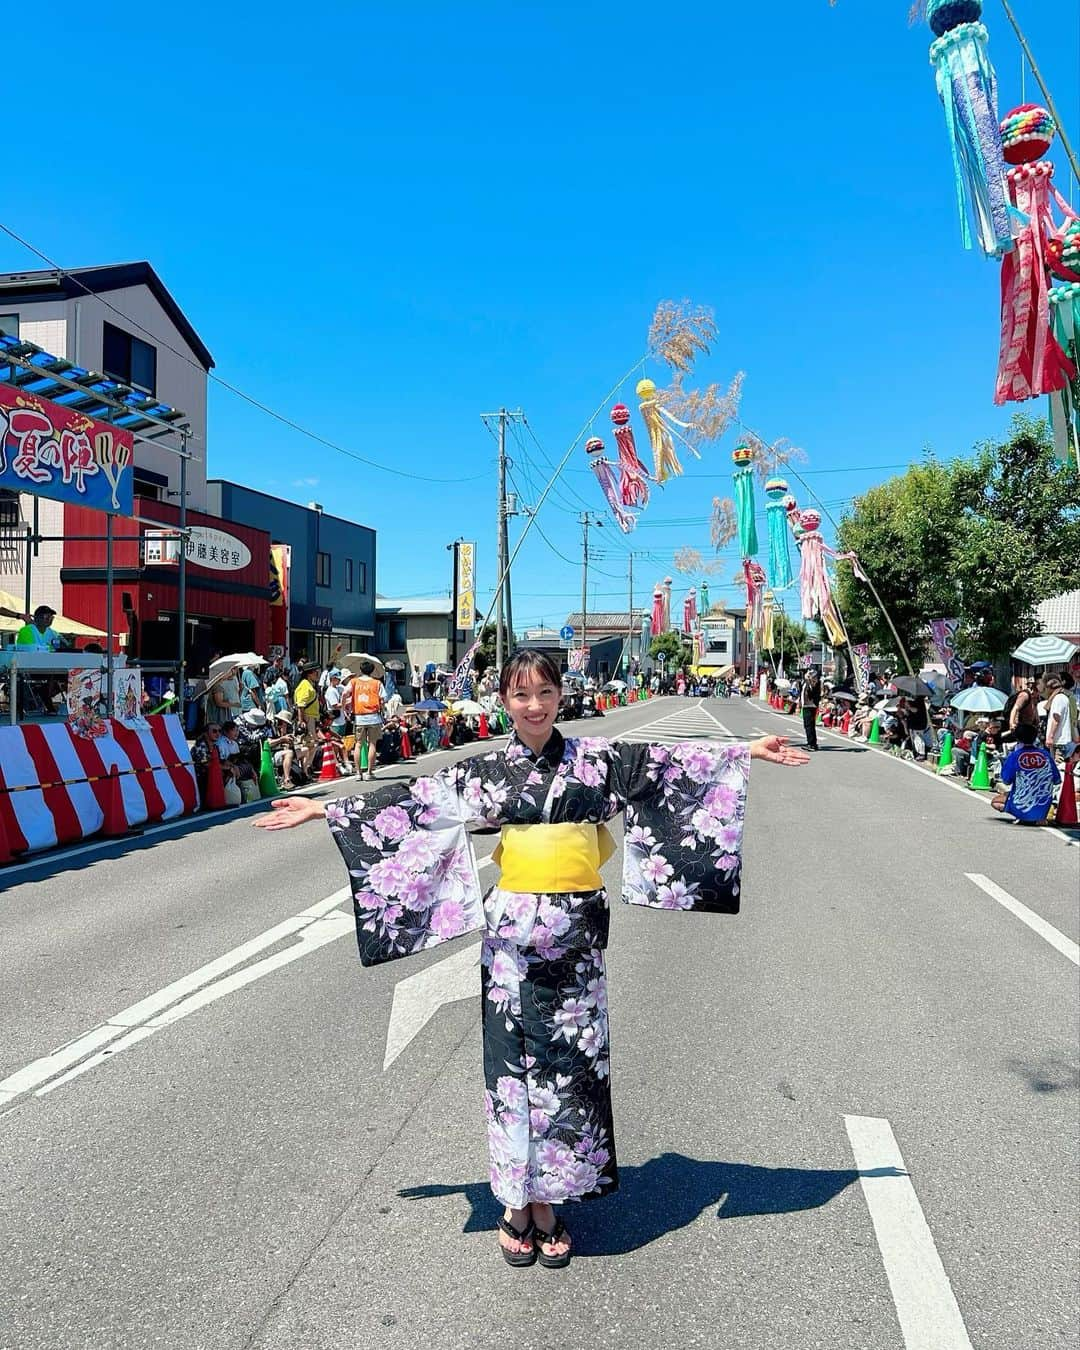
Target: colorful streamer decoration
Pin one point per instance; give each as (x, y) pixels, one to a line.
(1065, 402)
(703, 592)
(755, 598)
(967, 87)
(742, 456)
(633, 475)
(768, 622)
(689, 612)
(815, 592)
(1030, 360)
(665, 462)
(776, 489)
(667, 603)
(658, 612)
(604, 470)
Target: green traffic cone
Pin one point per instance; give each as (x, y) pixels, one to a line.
(980, 779)
(363, 757)
(875, 732)
(945, 756)
(267, 778)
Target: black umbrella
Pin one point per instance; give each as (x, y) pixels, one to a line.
(908, 684)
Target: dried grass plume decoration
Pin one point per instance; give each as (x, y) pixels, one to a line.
(680, 333)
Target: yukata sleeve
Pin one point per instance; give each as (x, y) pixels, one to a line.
(411, 869)
(684, 808)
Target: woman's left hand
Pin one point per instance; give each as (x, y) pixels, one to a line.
(777, 751)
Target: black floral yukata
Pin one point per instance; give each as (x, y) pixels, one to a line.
(415, 884)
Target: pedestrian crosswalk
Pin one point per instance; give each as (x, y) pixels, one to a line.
(695, 723)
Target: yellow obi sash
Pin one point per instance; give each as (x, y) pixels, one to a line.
(552, 858)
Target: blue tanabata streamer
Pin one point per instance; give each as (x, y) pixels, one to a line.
(779, 557)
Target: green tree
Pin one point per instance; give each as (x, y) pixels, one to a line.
(983, 539)
(789, 637)
(676, 653)
(485, 653)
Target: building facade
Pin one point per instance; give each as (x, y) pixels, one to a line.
(330, 562)
(418, 632)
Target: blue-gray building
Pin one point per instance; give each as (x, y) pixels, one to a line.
(331, 580)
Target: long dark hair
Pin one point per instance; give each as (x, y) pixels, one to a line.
(527, 662)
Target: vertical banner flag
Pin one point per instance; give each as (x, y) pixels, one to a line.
(466, 585)
(280, 563)
(861, 652)
(460, 684)
(943, 631)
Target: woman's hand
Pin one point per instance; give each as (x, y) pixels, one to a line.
(776, 750)
(288, 812)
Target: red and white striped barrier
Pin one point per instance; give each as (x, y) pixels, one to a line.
(54, 785)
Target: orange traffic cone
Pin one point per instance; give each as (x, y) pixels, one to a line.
(1066, 807)
(483, 733)
(406, 747)
(328, 773)
(115, 816)
(215, 783)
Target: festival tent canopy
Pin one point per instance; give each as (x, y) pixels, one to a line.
(1045, 650)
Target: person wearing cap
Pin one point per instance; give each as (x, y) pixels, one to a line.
(306, 698)
(37, 635)
(282, 744)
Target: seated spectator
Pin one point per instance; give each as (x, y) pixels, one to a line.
(1028, 779)
(281, 743)
(229, 747)
(202, 751)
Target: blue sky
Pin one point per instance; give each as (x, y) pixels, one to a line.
(451, 208)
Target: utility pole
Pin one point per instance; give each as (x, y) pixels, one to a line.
(585, 520)
(1069, 154)
(503, 609)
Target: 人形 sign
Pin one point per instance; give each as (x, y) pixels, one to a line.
(466, 585)
(52, 451)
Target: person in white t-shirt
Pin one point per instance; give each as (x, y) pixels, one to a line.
(1061, 729)
(332, 697)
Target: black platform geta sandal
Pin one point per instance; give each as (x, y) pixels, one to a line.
(527, 1234)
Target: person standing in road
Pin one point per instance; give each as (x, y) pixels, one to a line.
(368, 700)
(1061, 719)
(547, 1065)
(306, 698)
(809, 702)
(417, 684)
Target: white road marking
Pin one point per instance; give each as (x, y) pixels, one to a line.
(925, 1304)
(1056, 939)
(419, 997)
(945, 781)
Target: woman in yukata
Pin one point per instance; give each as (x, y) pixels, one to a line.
(545, 924)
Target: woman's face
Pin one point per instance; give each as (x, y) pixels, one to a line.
(533, 703)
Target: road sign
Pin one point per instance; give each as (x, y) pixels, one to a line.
(661, 657)
(566, 633)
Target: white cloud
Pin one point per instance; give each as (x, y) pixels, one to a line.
(305, 482)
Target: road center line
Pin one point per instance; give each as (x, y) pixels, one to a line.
(1035, 922)
(925, 1304)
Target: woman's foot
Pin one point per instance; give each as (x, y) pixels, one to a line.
(519, 1243)
(552, 1240)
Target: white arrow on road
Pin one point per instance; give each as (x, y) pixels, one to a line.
(418, 998)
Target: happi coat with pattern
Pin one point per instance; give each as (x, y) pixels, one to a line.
(545, 1027)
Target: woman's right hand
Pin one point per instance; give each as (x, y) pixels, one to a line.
(288, 812)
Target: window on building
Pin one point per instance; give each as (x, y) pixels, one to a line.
(382, 635)
(9, 324)
(129, 359)
(362, 578)
(348, 574)
(397, 635)
(9, 508)
(148, 484)
(322, 569)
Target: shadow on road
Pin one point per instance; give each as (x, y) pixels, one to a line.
(667, 1193)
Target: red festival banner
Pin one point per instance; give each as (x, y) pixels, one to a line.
(52, 451)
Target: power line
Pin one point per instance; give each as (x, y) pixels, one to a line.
(225, 384)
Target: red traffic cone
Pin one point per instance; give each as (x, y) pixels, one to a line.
(115, 816)
(215, 783)
(1066, 807)
(845, 723)
(482, 732)
(406, 747)
(328, 773)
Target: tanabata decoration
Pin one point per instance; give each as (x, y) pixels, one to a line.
(780, 577)
(656, 417)
(703, 595)
(967, 87)
(815, 591)
(722, 523)
(791, 510)
(755, 597)
(658, 612)
(768, 622)
(1065, 402)
(689, 617)
(633, 475)
(742, 457)
(604, 470)
(667, 603)
(1030, 360)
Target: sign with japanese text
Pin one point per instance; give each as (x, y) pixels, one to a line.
(216, 550)
(466, 585)
(52, 451)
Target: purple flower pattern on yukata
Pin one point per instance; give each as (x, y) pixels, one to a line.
(546, 1041)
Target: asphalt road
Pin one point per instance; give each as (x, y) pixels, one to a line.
(845, 1118)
